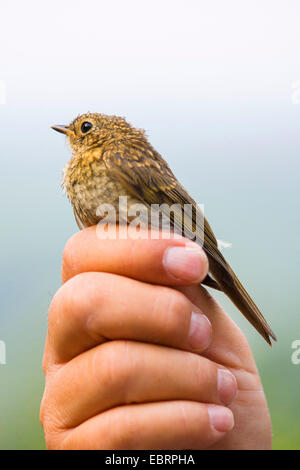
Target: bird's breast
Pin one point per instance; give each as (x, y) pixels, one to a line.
(92, 191)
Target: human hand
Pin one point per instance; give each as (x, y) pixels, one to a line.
(122, 359)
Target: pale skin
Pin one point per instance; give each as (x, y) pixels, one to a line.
(134, 352)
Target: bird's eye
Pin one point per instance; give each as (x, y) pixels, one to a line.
(86, 126)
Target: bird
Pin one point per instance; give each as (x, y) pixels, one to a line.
(112, 158)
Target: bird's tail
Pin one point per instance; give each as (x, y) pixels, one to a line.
(232, 287)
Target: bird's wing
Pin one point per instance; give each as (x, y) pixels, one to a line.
(148, 177)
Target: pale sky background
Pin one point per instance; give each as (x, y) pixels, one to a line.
(195, 49)
(216, 85)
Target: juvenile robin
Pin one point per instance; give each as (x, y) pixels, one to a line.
(110, 158)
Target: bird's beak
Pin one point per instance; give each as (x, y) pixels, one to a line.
(63, 129)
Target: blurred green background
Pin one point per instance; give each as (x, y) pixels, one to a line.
(216, 86)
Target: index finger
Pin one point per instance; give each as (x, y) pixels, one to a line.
(175, 261)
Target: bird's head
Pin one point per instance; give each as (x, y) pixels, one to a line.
(92, 130)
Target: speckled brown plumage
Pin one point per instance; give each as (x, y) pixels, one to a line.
(111, 159)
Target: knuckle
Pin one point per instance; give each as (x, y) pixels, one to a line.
(52, 423)
(119, 364)
(45, 363)
(74, 299)
(59, 308)
(57, 304)
(177, 312)
(47, 415)
(68, 257)
(43, 412)
(53, 440)
(204, 373)
(178, 303)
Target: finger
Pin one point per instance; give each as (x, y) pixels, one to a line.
(229, 348)
(229, 345)
(124, 372)
(171, 262)
(94, 307)
(168, 425)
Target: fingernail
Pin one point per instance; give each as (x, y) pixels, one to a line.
(186, 263)
(220, 418)
(227, 386)
(200, 331)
